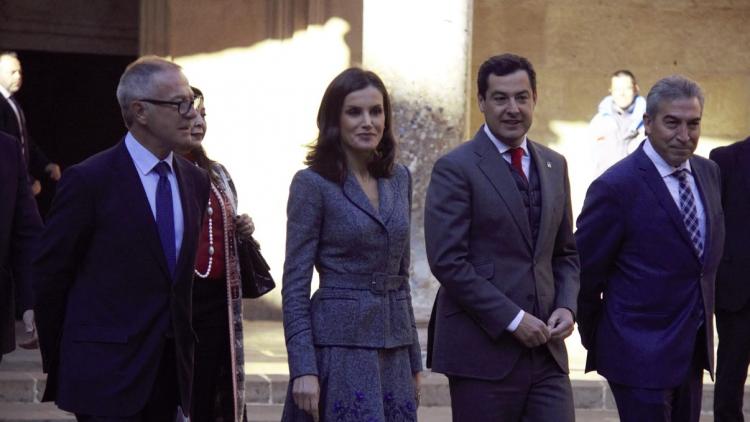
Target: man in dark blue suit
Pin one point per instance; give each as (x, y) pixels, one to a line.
(113, 277)
(650, 238)
(20, 225)
(733, 283)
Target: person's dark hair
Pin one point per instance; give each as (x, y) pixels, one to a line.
(672, 88)
(502, 65)
(326, 156)
(199, 154)
(625, 72)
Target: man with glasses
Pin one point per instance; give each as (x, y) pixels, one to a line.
(113, 276)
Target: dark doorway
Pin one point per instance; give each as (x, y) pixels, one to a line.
(70, 106)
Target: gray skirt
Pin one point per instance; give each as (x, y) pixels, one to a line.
(362, 385)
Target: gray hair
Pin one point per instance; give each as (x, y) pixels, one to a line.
(672, 88)
(138, 81)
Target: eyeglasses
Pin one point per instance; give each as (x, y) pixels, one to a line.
(183, 107)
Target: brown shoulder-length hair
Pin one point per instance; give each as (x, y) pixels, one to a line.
(326, 156)
(199, 154)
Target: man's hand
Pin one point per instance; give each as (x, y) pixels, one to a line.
(531, 331)
(36, 187)
(30, 327)
(53, 170)
(560, 323)
(306, 394)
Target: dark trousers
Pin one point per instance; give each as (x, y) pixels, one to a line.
(213, 396)
(733, 357)
(679, 404)
(161, 405)
(535, 390)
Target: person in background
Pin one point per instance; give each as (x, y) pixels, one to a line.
(217, 290)
(20, 225)
(13, 121)
(617, 126)
(353, 348)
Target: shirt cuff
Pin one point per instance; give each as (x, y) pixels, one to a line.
(517, 320)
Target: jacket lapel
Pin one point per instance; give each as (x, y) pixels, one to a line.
(386, 197)
(709, 206)
(495, 168)
(189, 216)
(134, 197)
(357, 196)
(543, 171)
(658, 187)
(744, 157)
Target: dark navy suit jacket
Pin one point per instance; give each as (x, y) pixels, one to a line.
(732, 286)
(20, 224)
(34, 157)
(104, 296)
(636, 252)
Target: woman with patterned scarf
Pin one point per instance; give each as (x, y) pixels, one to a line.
(219, 375)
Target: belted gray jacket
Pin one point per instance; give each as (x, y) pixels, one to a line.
(362, 258)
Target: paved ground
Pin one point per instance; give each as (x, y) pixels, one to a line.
(21, 382)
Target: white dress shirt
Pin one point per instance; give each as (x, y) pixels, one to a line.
(673, 185)
(12, 104)
(525, 163)
(145, 162)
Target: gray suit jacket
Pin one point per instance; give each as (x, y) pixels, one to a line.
(480, 249)
(362, 257)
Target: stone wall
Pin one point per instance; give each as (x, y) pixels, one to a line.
(73, 26)
(423, 61)
(575, 45)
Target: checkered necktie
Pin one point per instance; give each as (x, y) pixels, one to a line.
(688, 210)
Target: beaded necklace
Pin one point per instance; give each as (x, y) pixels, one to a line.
(211, 250)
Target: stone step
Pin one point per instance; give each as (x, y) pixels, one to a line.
(27, 387)
(36, 412)
(45, 412)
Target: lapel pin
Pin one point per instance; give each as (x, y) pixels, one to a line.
(549, 165)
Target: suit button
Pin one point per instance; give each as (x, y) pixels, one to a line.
(530, 298)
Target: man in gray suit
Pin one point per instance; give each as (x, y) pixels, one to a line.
(498, 229)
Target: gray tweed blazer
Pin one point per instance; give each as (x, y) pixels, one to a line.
(362, 257)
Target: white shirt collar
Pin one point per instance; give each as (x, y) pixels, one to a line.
(664, 168)
(503, 147)
(5, 92)
(144, 160)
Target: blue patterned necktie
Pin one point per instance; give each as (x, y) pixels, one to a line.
(689, 211)
(165, 215)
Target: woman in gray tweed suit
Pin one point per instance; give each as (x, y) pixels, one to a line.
(353, 348)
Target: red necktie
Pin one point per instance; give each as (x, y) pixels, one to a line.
(515, 161)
